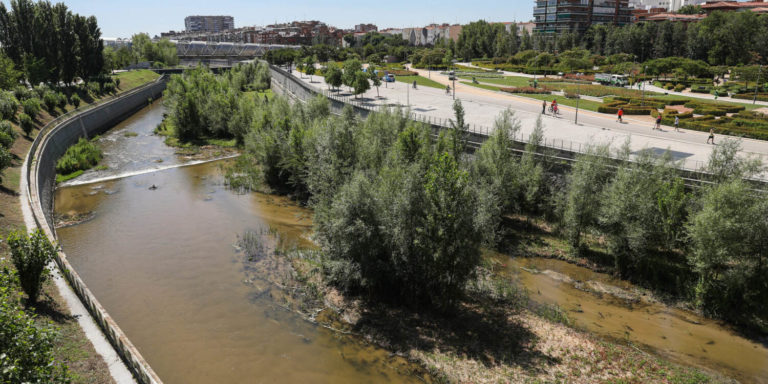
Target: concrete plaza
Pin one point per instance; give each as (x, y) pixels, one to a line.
(483, 106)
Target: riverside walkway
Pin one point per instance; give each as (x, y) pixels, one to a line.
(483, 106)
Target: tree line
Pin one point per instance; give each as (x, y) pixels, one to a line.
(203, 105)
(722, 38)
(161, 53)
(48, 43)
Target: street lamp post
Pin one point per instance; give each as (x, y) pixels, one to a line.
(454, 78)
(578, 98)
(757, 85)
(645, 69)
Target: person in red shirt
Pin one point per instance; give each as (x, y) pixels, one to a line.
(621, 115)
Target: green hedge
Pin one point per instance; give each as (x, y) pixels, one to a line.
(629, 109)
(750, 96)
(713, 109)
(744, 124)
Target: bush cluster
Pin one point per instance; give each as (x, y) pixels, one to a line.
(395, 211)
(7, 134)
(28, 348)
(527, 90)
(79, 157)
(8, 105)
(203, 105)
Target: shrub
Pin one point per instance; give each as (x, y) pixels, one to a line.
(26, 124)
(50, 100)
(5, 161)
(27, 347)
(79, 157)
(679, 87)
(117, 82)
(629, 109)
(713, 109)
(30, 255)
(8, 105)
(22, 93)
(75, 100)
(31, 107)
(750, 96)
(40, 90)
(7, 134)
(669, 86)
(109, 88)
(94, 88)
(62, 100)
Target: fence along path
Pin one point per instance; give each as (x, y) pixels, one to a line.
(692, 170)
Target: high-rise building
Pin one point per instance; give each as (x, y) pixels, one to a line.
(209, 23)
(556, 16)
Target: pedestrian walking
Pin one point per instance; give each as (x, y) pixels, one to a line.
(658, 123)
(414, 84)
(544, 107)
(677, 123)
(620, 115)
(711, 136)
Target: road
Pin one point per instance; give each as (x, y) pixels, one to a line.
(483, 106)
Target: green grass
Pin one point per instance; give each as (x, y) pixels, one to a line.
(62, 178)
(483, 86)
(260, 94)
(420, 80)
(509, 81)
(168, 130)
(130, 134)
(133, 79)
(588, 105)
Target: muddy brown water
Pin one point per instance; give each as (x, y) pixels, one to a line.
(163, 264)
(607, 306)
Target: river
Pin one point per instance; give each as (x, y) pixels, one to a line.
(163, 263)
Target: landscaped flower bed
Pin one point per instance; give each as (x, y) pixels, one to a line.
(743, 124)
(527, 90)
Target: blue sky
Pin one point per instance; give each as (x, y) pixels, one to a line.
(125, 17)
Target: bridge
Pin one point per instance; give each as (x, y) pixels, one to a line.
(222, 54)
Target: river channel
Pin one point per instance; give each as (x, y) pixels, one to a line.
(164, 265)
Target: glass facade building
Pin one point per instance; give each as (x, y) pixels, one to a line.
(556, 16)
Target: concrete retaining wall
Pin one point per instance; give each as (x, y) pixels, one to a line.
(51, 143)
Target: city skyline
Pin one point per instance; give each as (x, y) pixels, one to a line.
(126, 19)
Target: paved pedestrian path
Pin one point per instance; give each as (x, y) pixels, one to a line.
(482, 107)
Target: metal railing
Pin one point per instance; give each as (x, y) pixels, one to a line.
(695, 168)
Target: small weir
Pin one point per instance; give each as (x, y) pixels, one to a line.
(163, 263)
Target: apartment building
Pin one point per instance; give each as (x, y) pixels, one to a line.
(556, 16)
(209, 23)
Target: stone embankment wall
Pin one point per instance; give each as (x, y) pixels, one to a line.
(49, 146)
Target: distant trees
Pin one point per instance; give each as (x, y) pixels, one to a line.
(201, 104)
(162, 53)
(334, 76)
(481, 39)
(49, 43)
